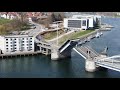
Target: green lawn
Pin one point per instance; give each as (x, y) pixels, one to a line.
(51, 35)
(74, 35)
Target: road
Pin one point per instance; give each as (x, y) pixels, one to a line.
(34, 32)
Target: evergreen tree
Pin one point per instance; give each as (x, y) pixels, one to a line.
(60, 18)
(53, 17)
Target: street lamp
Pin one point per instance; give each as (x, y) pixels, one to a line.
(57, 33)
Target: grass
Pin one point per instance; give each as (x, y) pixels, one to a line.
(51, 35)
(4, 21)
(74, 35)
(25, 27)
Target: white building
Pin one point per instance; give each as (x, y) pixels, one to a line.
(77, 22)
(16, 44)
(9, 16)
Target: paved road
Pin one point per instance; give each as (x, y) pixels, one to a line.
(34, 32)
(84, 50)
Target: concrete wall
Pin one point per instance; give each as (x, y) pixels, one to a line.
(2, 44)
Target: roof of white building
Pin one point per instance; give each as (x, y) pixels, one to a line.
(15, 36)
(85, 16)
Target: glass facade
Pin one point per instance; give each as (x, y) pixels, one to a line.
(74, 23)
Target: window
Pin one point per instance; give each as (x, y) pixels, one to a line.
(30, 38)
(6, 45)
(6, 39)
(27, 44)
(22, 38)
(11, 39)
(7, 42)
(74, 23)
(84, 23)
(6, 49)
(22, 41)
(15, 39)
(11, 45)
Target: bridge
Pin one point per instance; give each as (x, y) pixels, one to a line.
(86, 52)
(93, 59)
(112, 62)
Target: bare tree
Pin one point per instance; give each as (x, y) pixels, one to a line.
(22, 16)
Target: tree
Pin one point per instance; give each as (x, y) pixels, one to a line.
(60, 18)
(97, 23)
(6, 14)
(22, 16)
(53, 17)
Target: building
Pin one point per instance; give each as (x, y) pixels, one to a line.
(77, 22)
(9, 15)
(16, 44)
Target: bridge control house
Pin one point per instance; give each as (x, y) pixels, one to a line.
(12, 44)
(82, 22)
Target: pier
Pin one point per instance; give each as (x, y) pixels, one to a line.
(20, 54)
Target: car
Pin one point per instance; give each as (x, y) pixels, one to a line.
(33, 27)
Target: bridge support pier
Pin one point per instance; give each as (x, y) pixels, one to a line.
(90, 65)
(55, 54)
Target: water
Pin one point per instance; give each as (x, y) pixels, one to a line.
(40, 66)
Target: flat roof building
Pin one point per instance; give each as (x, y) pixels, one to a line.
(82, 22)
(16, 43)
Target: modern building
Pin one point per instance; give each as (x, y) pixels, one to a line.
(77, 22)
(16, 44)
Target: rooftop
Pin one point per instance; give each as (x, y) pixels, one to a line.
(10, 36)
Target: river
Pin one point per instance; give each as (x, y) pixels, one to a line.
(40, 66)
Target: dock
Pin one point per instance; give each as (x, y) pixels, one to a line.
(22, 54)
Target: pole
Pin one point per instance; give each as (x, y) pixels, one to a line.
(88, 54)
(57, 33)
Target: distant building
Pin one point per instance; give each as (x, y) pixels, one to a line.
(16, 43)
(77, 22)
(8, 15)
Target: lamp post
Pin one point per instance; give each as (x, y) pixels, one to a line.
(57, 33)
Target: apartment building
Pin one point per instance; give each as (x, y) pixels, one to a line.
(16, 43)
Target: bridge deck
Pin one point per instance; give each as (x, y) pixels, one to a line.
(87, 51)
(109, 64)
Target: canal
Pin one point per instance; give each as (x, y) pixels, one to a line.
(40, 66)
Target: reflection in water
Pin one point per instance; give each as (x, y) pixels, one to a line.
(62, 68)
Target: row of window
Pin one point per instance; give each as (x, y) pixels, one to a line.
(19, 42)
(19, 48)
(15, 39)
(15, 45)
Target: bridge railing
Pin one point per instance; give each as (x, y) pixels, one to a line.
(64, 44)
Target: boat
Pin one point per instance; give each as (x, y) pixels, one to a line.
(97, 35)
(101, 33)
